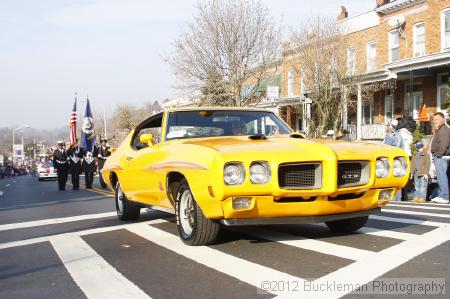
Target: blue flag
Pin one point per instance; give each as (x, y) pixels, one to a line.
(88, 135)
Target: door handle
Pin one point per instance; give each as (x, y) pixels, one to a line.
(129, 158)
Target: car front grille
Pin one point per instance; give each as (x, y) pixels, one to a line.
(353, 173)
(300, 176)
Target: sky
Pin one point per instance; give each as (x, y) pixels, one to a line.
(112, 51)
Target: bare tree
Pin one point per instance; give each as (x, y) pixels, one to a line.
(125, 117)
(325, 62)
(234, 39)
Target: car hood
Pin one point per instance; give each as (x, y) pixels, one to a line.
(280, 145)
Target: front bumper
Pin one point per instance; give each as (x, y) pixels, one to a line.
(297, 220)
(269, 207)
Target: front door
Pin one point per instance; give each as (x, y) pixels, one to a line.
(412, 103)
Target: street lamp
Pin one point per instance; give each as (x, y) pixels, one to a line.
(14, 139)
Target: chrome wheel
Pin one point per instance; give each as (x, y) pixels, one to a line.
(187, 213)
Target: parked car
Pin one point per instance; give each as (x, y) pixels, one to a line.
(45, 170)
(233, 166)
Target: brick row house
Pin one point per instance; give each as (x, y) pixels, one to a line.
(403, 42)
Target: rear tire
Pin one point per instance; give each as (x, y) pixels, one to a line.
(193, 227)
(126, 210)
(347, 225)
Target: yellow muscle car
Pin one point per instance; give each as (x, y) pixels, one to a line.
(216, 166)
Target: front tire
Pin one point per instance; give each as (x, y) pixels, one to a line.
(193, 227)
(347, 225)
(126, 210)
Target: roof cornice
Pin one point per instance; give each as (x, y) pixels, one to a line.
(396, 6)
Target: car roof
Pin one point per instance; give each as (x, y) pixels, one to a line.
(216, 109)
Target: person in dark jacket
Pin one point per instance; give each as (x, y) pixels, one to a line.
(89, 166)
(440, 149)
(405, 126)
(103, 154)
(61, 164)
(75, 155)
(420, 168)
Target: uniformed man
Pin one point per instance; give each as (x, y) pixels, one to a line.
(61, 164)
(75, 155)
(89, 166)
(103, 154)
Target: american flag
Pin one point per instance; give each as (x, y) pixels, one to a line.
(73, 123)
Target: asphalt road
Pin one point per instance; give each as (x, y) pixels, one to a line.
(71, 245)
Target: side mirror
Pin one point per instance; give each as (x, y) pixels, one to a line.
(146, 139)
(112, 150)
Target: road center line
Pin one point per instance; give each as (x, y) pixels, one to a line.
(95, 277)
(19, 225)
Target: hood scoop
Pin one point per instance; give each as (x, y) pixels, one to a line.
(297, 135)
(257, 137)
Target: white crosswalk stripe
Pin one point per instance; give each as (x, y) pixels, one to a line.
(28, 224)
(95, 277)
(422, 207)
(416, 213)
(410, 221)
(241, 269)
(379, 232)
(311, 244)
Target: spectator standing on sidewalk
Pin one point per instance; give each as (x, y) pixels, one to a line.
(420, 166)
(440, 149)
(424, 119)
(406, 126)
(394, 138)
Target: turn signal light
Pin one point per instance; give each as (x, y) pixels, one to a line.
(242, 203)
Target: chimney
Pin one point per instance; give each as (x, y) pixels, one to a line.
(382, 2)
(343, 13)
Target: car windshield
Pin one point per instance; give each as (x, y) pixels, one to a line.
(46, 164)
(211, 123)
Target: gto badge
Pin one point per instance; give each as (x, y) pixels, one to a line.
(350, 176)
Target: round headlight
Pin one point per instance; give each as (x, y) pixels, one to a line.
(233, 174)
(259, 173)
(400, 167)
(383, 168)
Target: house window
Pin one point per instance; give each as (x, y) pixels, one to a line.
(290, 83)
(367, 113)
(351, 59)
(445, 25)
(394, 54)
(371, 56)
(302, 81)
(419, 39)
(442, 91)
(388, 105)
